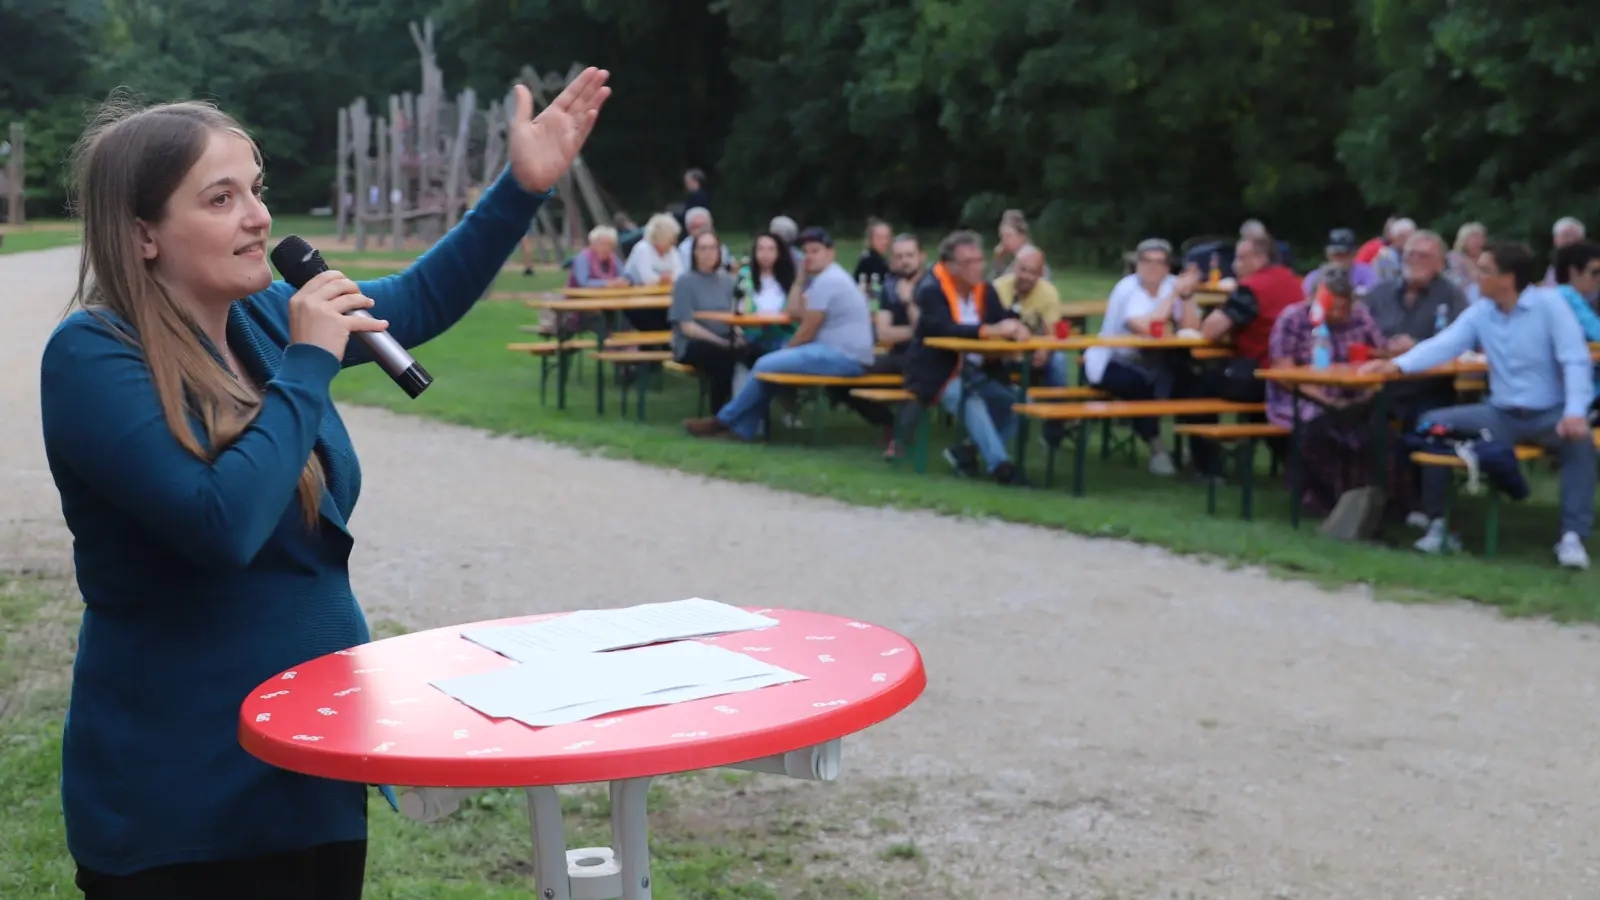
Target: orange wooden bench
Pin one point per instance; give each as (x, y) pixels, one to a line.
(817, 384)
(1491, 518)
(1245, 434)
(1084, 413)
(639, 381)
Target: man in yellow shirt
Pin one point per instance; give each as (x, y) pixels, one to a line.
(1028, 295)
(1036, 301)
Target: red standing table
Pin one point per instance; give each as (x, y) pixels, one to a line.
(369, 715)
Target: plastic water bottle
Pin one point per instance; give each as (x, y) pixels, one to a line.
(1321, 348)
(1441, 319)
(747, 288)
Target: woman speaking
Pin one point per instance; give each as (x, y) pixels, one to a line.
(208, 481)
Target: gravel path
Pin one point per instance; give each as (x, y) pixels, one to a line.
(1102, 720)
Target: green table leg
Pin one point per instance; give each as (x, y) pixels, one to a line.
(1080, 460)
(819, 396)
(1491, 524)
(1294, 458)
(1247, 478)
(1021, 451)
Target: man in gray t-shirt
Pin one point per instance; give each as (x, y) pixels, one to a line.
(846, 323)
(834, 338)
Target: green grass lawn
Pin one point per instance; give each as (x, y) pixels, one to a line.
(24, 241)
(482, 852)
(479, 383)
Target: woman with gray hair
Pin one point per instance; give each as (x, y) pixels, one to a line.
(1143, 304)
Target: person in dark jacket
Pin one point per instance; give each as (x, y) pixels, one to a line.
(954, 301)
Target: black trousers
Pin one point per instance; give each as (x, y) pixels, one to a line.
(325, 872)
(648, 319)
(717, 362)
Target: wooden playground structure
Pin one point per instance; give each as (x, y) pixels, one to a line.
(419, 168)
(11, 177)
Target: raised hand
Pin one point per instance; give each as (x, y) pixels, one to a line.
(542, 149)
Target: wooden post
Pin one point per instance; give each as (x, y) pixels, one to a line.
(16, 172)
(494, 141)
(341, 204)
(380, 134)
(397, 185)
(454, 189)
(361, 133)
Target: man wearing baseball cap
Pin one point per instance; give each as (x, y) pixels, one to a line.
(1341, 251)
(834, 338)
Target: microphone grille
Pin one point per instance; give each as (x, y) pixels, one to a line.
(297, 261)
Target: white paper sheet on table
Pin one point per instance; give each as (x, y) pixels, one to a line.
(597, 630)
(554, 689)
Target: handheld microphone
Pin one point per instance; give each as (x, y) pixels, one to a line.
(299, 262)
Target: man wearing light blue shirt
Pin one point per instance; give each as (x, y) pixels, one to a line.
(1542, 383)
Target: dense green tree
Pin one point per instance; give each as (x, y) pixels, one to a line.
(1485, 110)
(1105, 122)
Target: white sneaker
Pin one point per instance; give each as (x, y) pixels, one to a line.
(1417, 520)
(1570, 553)
(1161, 464)
(1438, 539)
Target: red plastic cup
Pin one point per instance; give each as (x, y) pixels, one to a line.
(1359, 353)
(1063, 329)
(1158, 329)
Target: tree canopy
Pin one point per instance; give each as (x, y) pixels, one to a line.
(1105, 122)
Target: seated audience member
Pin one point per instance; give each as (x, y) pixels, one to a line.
(655, 259)
(772, 275)
(1461, 266)
(597, 266)
(697, 221)
(1370, 250)
(1335, 436)
(1541, 384)
(711, 347)
(874, 261)
(1148, 296)
(834, 338)
(896, 319)
(1014, 235)
(1280, 249)
(1264, 290)
(1577, 275)
(1408, 309)
(1026, 292)
(1565, 232)
(786, 229)
(953, 301)
(1341, 251)
(1389, 262)
(1578, 279)
(893, 324)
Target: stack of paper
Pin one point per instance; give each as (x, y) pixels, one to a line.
(596, 630)
(554, 689)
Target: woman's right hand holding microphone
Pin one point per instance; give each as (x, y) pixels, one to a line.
(319, 313)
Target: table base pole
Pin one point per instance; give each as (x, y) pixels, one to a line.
(619, 872)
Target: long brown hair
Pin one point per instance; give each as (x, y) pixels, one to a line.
(126, 166)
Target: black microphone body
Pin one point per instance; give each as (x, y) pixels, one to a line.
(298, 262)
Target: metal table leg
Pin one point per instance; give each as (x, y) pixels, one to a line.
(619, 872)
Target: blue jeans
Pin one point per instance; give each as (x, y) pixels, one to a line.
(745, 414)
(1577, 457)
(1055, 370)
(984, 407)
